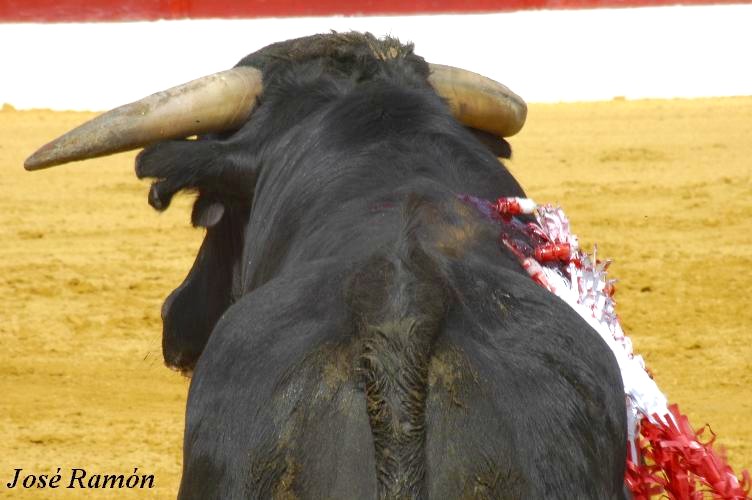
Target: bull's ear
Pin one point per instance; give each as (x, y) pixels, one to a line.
(192, 310)
(221, 171)
(496, 144)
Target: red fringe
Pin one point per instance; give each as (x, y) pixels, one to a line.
(672, 461)
(675, 463)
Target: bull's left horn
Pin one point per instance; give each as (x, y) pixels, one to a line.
(479, 102)
(222, 101)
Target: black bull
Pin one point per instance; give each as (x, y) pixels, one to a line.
(353, 330)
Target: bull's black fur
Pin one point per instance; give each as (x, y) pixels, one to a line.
(354, 331)
(400, 299)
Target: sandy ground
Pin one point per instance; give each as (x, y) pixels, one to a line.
(663, 187)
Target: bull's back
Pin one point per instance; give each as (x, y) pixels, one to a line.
(275, 408)
(524, 400)
(305, 392)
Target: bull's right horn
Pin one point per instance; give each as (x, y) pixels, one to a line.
(479, 102)
(214, 103)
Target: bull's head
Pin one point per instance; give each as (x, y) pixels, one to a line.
(233, 106)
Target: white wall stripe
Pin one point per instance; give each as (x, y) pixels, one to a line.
(545, 56)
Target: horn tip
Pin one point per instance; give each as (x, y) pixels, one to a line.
(42, 158)
(31, 166)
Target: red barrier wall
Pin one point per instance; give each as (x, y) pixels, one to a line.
(139, 10)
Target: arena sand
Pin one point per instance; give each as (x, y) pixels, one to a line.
(663, 187)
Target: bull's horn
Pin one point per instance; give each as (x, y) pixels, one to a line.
(214, 103)
(479, 102)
